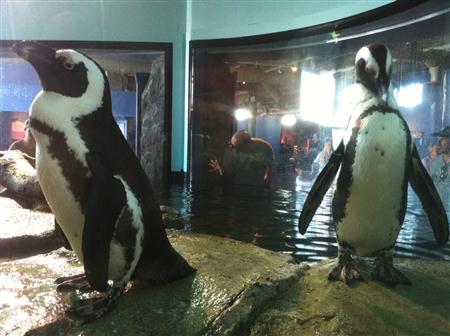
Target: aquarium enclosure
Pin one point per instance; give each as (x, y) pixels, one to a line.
(285, 96)
(290, 90)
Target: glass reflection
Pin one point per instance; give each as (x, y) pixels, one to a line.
(295, 94)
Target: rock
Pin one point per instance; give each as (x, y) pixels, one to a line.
(315, 306)
(172, 219)
(233, 284)
(154, 133)
(19, 177)
(25, 232)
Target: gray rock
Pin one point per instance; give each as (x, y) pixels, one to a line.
(25, 232)
(154, 132)
(233, 284)
(315, 306)
(172, 219)
(19, 178)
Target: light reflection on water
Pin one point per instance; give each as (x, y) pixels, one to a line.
(269, 219)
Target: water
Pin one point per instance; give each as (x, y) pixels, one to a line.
(269, 219)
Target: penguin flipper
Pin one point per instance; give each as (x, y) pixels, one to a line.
(424, 187)
(320, 187)
(105, 202)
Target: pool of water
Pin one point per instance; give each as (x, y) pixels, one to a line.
(269, 219)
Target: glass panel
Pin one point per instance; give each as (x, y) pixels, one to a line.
(291, 97)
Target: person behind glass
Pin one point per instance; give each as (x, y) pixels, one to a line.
(439, 167)
(248, 161)
(285, 154)
(322, 158)
(433, 151)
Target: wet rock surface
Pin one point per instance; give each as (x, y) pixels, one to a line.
(315, 306)
(233, 284)
(172, 218)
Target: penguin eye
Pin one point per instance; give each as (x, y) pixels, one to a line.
(371, 72)
(66, 63)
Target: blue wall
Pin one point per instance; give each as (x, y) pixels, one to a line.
(175, 21)
(269, 129)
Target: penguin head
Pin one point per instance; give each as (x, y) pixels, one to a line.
(66, 72)
(373, 68)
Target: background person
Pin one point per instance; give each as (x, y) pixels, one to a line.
(439, 167)
(248, 161)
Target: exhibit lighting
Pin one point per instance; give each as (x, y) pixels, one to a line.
(294, 68)
(288, 120)
(317, 93)
(242, 114)
(410, 95)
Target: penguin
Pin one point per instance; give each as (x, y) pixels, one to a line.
(374, 162)
(93, 182)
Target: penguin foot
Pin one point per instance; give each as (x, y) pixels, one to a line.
(345, 272)
(94, 308)
(391, 276)
(72, 283)
(346, 269)
(386, 272)
(71, 277)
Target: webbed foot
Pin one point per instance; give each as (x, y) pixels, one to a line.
(346, 269)
(72, 283)
(93, 308)
(386, 272)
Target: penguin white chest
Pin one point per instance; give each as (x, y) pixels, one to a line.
(371, 216)
(58, 191)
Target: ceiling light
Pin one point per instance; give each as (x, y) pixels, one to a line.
(288, 120)
(242, 114)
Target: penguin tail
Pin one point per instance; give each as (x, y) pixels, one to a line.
(167, 267)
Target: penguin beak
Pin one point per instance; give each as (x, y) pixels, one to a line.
(37, 54)
(383, 83)
(384, 93)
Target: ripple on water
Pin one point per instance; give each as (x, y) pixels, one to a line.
(269, 219)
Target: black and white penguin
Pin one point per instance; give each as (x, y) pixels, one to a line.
(375, 161)
(93, 181)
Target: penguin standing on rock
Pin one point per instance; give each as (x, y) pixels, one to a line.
(375, 160)
(93, 182)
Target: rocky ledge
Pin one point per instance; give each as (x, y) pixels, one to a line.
(315, 306)
(234, 283)
(239, 289)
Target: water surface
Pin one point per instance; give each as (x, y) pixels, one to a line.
(269, 218)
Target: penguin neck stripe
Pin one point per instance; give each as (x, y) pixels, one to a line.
(71, 167)
(378, 108)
